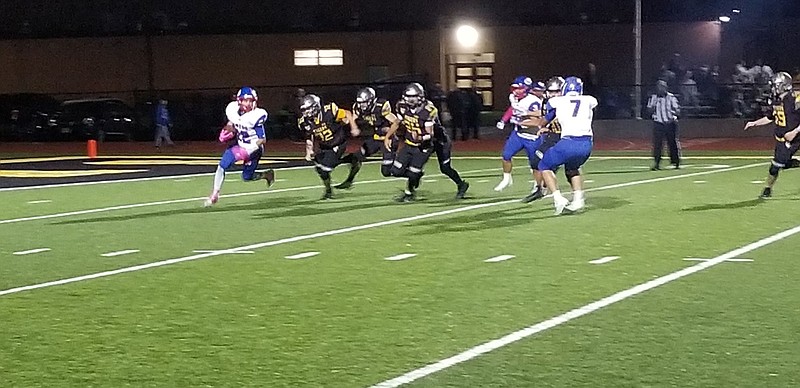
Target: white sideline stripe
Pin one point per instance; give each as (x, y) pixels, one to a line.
(30, 251)
(302, 255)
(196, 199)
(323, 234)
(119, 253)
(40, 201)
(183, 180)
(400, 257)
(604, 260)
(483, 181)
(500, 258)
(578, 312)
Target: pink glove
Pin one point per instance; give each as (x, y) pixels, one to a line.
(225, 135)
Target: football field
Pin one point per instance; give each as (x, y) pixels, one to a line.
(668, 278)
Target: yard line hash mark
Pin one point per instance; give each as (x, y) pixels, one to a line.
(31, 251)
(500, 258)
(400, 257)
(302, 255)
(578, 312)
(40, 201)
(604, 260)
(120, 253)
(287, 240)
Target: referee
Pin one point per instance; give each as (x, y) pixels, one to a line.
(665, 108)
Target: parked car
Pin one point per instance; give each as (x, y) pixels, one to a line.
(25, 116)
(96, 118)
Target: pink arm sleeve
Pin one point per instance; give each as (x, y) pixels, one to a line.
(507, 115)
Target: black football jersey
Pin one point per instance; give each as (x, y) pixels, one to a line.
(377, 119)
(414, 121)
(786, 114)
(327, 129)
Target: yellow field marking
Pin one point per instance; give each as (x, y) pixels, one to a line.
(60, 173)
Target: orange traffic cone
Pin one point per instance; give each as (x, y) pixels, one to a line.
(91, 148)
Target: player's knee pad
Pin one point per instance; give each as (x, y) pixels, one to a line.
(571, 173)
(773, 170)
(386, 170)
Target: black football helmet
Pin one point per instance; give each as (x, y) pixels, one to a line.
(553, 86)
(365, 99)
(413, 95)
(310, 106)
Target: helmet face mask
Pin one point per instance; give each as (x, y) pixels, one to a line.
(365, 100)
(246, 97)
(554, 86)
(311, 106)
(414, 95)
(521, 86)
(781, 84)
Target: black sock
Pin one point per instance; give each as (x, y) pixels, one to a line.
(451, 173)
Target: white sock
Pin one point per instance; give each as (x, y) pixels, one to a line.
(219, 177)
(557, 195)
(577, 195)
(506, 176)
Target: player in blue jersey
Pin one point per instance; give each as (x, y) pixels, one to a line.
(525, 98)
(574, 111)
(246, 125)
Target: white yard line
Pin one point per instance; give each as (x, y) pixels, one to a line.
(40, 201)
(302, 255)
(400, 257)
(578, 312)
(500, 258)
(327, 233)
(31, 251)
(119, 253)
(222, 251)
(195, 199)
(604, 260)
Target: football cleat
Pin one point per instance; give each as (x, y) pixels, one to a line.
(505, 183)
(269, 175)
(327, 195)
(406, 197)
(576, 205)
(560, 204)
(766, 193)
(344, 185)
(462, 190)
(538, 194)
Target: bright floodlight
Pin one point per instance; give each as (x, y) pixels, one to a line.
(736, 10)
(724, 18)
(467, 35)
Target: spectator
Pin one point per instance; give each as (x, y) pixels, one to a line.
(437, 96)
(473, 112)
(456, 105)
(163, 124)
(665, 108)
(689, 90)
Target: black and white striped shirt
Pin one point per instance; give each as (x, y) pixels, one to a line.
(665, 109)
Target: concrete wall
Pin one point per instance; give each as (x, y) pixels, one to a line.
(100, 65)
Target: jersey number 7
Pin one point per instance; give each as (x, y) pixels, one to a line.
(577, 106)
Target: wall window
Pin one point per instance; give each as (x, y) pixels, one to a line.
(318, 57)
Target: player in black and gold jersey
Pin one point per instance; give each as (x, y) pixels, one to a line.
(786, 116)
(550, 135)
(440, 142)
(325, 128)
(376, 114)
(418, 119)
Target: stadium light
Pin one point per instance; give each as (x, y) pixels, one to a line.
(467, 35)
(736, 10)
(724, 18)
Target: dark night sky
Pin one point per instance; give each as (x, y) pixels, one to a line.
(52, 18)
